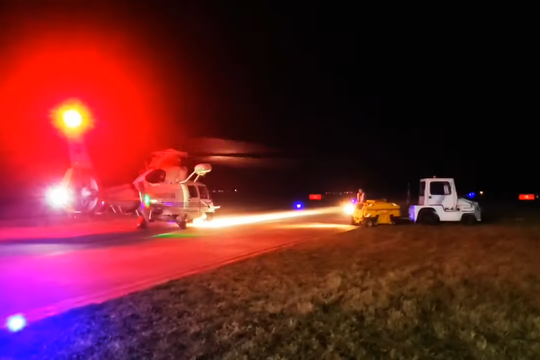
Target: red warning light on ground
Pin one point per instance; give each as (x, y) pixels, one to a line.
(526, 197)
(315, 196)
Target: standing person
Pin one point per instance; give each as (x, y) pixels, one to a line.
(360, 197)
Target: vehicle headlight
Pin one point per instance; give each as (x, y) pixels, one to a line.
(348, 209)
(58, 197)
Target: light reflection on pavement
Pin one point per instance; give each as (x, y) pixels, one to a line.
(44, 272)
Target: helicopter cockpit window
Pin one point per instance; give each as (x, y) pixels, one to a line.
(204, 192)
(156, 176)
(193, 191)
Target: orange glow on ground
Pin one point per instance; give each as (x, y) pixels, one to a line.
(229, 221)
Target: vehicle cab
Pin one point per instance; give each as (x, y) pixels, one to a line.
(438, 201)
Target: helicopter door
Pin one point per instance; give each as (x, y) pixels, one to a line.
(193, 200)
(158, 188)
(203, 192)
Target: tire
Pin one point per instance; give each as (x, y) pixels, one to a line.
(429, 218)
(370, 223)
(182, 222)
(468, 219)
(141, 223)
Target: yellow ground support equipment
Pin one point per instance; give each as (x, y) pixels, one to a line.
(376, 212)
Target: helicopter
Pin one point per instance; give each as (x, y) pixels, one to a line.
(164, 191)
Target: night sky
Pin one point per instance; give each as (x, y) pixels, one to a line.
(309, 80)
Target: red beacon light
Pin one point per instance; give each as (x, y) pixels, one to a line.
(73, 118)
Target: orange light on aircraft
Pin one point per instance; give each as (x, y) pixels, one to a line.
(72, 117)
(526, 196)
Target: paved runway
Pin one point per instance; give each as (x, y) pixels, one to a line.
(50, 269)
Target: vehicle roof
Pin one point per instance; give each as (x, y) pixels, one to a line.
(437, 179)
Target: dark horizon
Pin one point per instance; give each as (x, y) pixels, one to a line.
(309, 82)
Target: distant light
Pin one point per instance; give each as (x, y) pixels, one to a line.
(315, 196)
(298, 205)
(481, 193)
(472, 194)
(526, 197)
(16, 323)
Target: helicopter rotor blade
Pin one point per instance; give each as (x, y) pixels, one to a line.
(242, 161)
(226, 147)
(236, 153)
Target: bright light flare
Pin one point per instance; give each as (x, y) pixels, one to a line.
(73, 118)
(58, 197)
(349, 208)
(16, 323)
(315, 226)
(259, 218)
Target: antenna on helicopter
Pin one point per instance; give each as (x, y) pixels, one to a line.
(200, 170)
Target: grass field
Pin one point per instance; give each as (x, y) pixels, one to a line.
(402, 292)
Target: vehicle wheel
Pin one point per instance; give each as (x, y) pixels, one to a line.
(370, 223)
(182, 222)
(468, 219)
(429, 218)
(141, 223)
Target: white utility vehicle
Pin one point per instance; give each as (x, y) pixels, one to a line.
(438, 201)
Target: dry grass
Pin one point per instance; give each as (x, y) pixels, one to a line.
(409, 292)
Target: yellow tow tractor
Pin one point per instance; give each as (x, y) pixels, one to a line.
(373, 212)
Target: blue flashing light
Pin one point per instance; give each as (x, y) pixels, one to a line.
(16, 323)
(298, 205)
(472, 195)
